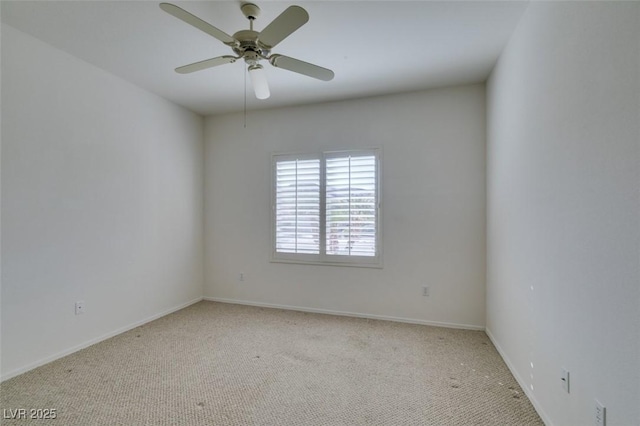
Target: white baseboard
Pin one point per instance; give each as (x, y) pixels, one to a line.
(545, 418)
(88, 343)
(345, 314)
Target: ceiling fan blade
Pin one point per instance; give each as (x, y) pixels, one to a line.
(295, 65)
(193, 20)
(203, 65)
(280, 28)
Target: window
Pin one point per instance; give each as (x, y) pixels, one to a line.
(326, 208)
(298, 206)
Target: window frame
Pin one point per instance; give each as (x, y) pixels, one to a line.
(323, 258)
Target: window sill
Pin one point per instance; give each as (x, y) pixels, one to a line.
(376, 265)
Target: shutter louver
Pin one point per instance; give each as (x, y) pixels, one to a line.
(351, 205)
(298, 206)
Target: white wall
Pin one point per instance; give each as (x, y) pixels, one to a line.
(433, 206)
(563, 282)
(102, 188)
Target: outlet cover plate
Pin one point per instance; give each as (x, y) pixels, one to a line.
(565, 379)
(601, 414)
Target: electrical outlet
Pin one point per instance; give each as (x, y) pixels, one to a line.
(564, 376)
(425, 290)
(601, 414)
(241, 276)
(80, 307)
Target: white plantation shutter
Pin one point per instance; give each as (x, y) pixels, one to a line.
(297, 206)
(326, 208)
(351, 205)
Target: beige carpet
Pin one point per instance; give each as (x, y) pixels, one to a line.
(220, 364)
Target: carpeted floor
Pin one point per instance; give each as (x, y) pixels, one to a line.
(221, 364)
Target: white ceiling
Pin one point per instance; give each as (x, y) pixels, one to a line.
(374, 47)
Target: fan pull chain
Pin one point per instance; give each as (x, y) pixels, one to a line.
(245, 82)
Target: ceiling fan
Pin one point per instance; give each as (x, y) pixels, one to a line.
(254, 46)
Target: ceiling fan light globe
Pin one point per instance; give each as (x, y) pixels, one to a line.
(259, 81)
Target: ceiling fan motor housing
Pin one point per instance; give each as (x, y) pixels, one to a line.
(248, 47)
